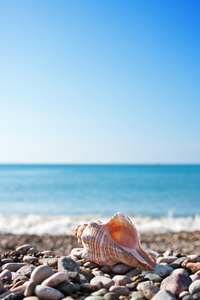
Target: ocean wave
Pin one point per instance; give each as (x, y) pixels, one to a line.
(61, 224)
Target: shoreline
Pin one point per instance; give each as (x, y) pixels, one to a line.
(185, 242)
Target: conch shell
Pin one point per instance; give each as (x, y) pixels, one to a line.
(113, 242)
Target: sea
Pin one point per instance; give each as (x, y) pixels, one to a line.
(50, 199)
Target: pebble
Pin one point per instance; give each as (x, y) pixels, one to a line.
(194, 287)
(32, 250)
(164, 295)
(30, 259)
(183, 294)
(100, 292)
(30, 288)
(55, 279)
(5, 276)
(105, 281)
(194, 277)
(133, 273)
(40, 273)
(26, 270)
(94, 298)
(147, 289)
(121, 269)
(180, 271)
(121, 279)
(77, 252)
(50, 261)
(13, 267)
(67, 264)
(153, 277)
(23, 249)
(111, 296)
(166, 259)
(1, 287)
(31, 298)
(67, 288)
(138, 296)
(160, 270)
(14, 296)
(120, 290)
(46, 292)
(176, 283)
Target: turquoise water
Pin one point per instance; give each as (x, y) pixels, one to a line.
(145, 190)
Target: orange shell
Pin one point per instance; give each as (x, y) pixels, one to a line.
(113, 242)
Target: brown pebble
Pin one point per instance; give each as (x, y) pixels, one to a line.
(193, 267)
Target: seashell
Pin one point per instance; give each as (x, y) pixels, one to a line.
(113, 242)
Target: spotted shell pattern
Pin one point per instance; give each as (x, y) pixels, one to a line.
(113, 242)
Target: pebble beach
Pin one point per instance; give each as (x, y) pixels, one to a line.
(36, 267)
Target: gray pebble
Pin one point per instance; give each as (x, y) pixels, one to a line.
(50, 261)
(26, 270)
(153, 277)
(100, 292)
(13, 267)
(120, 290)
(194, 287)
(46, 292)
(164, 295)
(121, 269)
(14, 296)
(131, 286)
(176, 283)
(105, 281)
(30, 259)
(137, 296)
(23, 249)
(148, 289)
(77, 252)
(180, 271)
(67, 264)
(19, 278)
(166, 259)
(196, 296)
(133, 273)
(160, 270)
(1, 287)
(111, 296)
(32, 250)
(67, 288)
(40, 273)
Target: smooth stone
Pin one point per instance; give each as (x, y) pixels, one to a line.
(120, 290)
(91, 265)
(180, 260)
(67, 288)
(13, 267)
(47, 292)
(189, 297)
(121, 279)
(121, 269)
(30, 259)
(166, 259)
(168, 253)
(32, 250)
(160, 270)
(148, 289)
(30, 288)
(82, 278)
(164, 295)
(194, 287)
(196, 296)
(94, 298)
(66, 264)
(195, 277)
(100, 292)
(6, 260)
(153, 277)
(14, 296)
(87, 273)
(56, 279)
(106, 269)
(137, 296)
(180, 271)
(26, 270)
(176, 283)
(40, 273)
(133, 273)
(23, 249)
(105, 281)
(183, 294)
(5, 276)
(131, 286)
(111, 296)
(1, 287)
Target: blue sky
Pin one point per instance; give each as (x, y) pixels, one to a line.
(99, 81)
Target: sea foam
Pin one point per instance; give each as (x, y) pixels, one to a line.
(61, 224)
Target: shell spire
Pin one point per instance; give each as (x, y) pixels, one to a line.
(113, 242)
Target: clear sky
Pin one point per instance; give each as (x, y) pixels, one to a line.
(102, 81)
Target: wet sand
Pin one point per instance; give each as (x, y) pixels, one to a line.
(179, 242)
